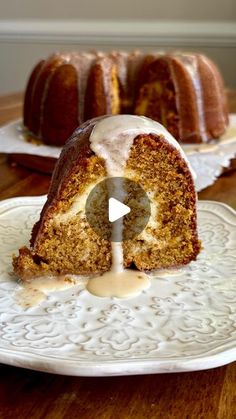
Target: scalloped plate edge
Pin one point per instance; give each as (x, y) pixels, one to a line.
(118, 367)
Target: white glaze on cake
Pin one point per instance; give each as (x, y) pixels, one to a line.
(111, 139)
(82, 62)
(120, 58)
(191, 65)
(219, 88)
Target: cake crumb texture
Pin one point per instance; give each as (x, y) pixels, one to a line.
(62, 240)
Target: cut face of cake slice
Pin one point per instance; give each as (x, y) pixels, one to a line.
(129, 147)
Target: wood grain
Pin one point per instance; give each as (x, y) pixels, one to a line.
(209, 394)
(206, 394)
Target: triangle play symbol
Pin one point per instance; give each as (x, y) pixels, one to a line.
(116, 210)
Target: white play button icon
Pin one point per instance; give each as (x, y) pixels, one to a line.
(116, 210)
(107, 214)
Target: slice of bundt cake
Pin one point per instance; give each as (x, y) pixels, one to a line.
(184, 92)
(131, 147)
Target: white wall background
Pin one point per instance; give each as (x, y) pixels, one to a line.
(30, 30)
(208, 10)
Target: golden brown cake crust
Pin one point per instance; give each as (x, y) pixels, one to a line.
(63, 245)
(56, 123)
(75, 151)
(184, 92)
(29, 94)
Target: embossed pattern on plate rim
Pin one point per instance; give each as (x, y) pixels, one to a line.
(136, 365)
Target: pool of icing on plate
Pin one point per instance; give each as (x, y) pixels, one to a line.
(32, 293)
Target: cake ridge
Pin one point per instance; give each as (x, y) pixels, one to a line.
(186, 94)
(190, 62)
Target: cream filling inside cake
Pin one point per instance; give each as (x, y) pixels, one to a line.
(78, 205)
(111, 140)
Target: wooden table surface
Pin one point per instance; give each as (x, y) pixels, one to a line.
(30, 394)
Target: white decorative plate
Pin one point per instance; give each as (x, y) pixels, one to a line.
(207, 160)
(183, 322)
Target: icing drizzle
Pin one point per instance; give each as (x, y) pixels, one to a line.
(191, 65)
(111, 139)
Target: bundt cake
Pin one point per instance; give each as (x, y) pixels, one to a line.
(184, 92)
(131, 147)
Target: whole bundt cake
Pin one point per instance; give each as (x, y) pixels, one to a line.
(184, 92)
(131, 147)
